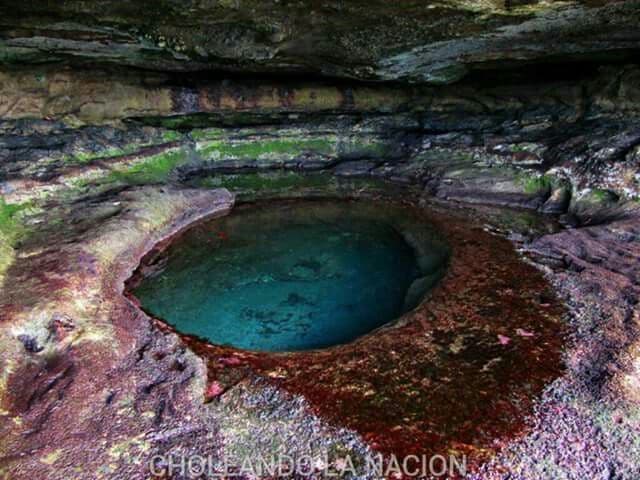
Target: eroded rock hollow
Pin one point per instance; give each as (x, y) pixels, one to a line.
(509, 128)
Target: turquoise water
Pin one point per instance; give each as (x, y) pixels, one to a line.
(282, 277)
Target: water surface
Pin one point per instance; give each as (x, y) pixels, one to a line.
(284, 277)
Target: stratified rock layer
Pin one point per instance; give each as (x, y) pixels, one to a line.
(560, 146)
(435, 41)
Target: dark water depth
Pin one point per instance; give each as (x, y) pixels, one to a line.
(284, 277)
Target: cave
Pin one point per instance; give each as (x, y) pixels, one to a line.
(319, 239)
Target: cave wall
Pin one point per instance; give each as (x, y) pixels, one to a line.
(539, 109)
(567, 145)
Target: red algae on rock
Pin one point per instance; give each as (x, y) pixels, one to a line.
(441, 380)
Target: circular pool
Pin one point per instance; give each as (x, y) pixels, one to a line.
(292, 276)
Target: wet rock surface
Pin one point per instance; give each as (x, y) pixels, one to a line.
(136, 389)
(162, 393)
(586, 421)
